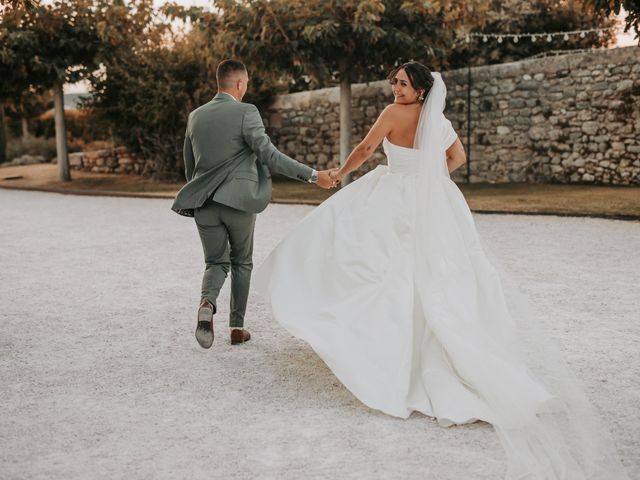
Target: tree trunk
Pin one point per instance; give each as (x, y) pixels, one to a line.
(3, 136)
(61, 132)
(345, 116)
(25, 128)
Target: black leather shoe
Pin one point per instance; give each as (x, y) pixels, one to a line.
(204, 328)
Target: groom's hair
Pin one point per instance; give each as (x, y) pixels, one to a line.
(226, 70)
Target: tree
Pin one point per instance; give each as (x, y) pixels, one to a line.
(12, 78)
(29, 105)
(150, 79)
(5, 5)
(632, 7)
(533, 16)
(45, 46)
(24, 106)
(153, 74)
(343, 41)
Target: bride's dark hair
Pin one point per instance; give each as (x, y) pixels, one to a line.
(419, 76)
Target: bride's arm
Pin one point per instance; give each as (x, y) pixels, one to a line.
(455, 156)
(366, 147)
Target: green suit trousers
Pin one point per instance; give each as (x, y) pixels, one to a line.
(227, 241)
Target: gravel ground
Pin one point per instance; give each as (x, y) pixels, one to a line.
(102, 378)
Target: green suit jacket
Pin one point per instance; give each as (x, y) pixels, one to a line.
(229, 157)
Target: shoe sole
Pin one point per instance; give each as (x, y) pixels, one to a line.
(204, 337)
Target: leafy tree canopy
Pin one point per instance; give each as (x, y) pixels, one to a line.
(632, 7)
(532, 16)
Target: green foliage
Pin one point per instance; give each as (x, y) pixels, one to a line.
(533, 16)
(29, 104)
(3, 136)
(208, 33)
(41, 45)
(47, 42)
(323, 41)
(78, 127)
(632, 7)
(45, 147)
(151, 79)
(7, 5)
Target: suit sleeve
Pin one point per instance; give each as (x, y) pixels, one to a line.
(187, 153)
(254, 134)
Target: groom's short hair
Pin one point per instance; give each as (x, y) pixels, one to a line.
(226, 70)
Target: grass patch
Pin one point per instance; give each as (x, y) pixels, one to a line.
(559, 199)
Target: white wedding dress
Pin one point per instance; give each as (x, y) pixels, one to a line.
(388, 282)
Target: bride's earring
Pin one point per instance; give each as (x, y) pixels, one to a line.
(421, 97)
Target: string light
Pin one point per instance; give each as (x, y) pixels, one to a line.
(549, 36)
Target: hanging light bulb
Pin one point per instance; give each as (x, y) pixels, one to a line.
(533, 38)
(500, 39)
(515, 39)
(566, 37)
(600, 33)
(582, 34)
(548, 38)
(484, 39)
(467, 39)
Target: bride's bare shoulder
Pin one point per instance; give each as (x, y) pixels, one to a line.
(392, 108)
(391, 112)
(398, 110)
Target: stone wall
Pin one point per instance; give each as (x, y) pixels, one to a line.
(112, 160)
(571, 118)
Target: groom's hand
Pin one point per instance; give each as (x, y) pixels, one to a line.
(336, 174)
(325, 180)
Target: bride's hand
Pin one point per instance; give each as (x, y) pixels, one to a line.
(325, 179)
(336, 175)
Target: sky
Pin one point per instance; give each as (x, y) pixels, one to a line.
(624, 40)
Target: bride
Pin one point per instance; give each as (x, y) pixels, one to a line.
(388, 282)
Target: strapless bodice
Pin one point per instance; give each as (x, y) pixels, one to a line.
(401, 159)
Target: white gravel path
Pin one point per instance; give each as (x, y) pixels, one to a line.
(102, 378)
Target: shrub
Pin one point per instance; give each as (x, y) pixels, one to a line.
(45, 147)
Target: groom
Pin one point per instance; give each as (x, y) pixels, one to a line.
(228, 161)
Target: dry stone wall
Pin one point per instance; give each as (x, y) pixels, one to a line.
(112, 160)
(572, 119)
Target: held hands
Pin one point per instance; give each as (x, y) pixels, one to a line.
(337, 175)
(327, 178)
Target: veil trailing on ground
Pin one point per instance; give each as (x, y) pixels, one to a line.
(542, 416)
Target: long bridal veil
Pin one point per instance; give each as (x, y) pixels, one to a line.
(545, 422)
